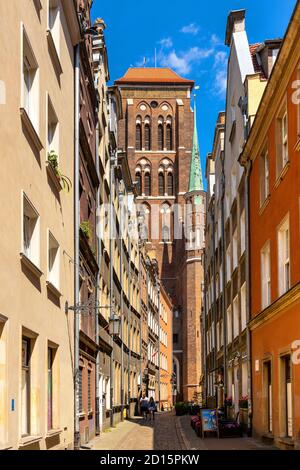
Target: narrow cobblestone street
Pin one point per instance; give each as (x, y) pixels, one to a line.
(168, 432)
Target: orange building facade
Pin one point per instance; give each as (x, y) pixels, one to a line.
(272, 158)
(166, 350)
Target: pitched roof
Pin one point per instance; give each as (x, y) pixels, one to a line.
(257, 67)
(196, 180)
(153, 75)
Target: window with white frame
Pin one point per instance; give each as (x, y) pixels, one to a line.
(264, 176)
(284, 256)
(282, 139)
(228, 263)
(243, 231)
(229, 325)
(53, 129)
(243, 307)
(265, 276)
(54, 23)
(31, 232)
(235, 250)
(236, 317)
(25, 387)
(30, 82)
(53, 261)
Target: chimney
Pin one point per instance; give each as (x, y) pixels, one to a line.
(235, 24)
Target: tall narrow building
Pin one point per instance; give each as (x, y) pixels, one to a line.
(157, 134)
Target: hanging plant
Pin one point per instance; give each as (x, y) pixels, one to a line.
(63, 179)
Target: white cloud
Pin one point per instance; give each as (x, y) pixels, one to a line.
(220, 83)
(166, 43)
(143, 62)
(182, 62)
(191, 28)
(220, 67)
(215, 40)
(220, 58)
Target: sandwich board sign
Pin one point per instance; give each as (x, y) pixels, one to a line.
(209, 421)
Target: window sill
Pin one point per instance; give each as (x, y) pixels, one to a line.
(30, 265)
(53, 52)
(287, 441)
(31, 130)
(282, 174)
(5, 447)
(53, 432)
(264, 204)
(81, 415)
(28, 440)
(54, 178)
(54, 290)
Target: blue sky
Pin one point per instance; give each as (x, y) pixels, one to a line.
(189, 37)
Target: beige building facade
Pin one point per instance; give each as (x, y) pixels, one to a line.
(36, 249)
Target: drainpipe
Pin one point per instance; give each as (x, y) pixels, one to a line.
(129, 326)
(158, 289)
(224, 284)
(99, 253)
(122, 306)
(141, 321)
(111, 233)
(76, 250)
(204, 333)
(248, 297)
(214, 293)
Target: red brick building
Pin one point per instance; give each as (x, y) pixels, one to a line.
(271, 155)
(157, 134)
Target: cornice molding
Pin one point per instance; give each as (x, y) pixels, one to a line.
(278, 307)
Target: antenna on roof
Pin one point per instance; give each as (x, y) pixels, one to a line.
(144, 61)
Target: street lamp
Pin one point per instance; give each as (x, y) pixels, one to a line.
(114, 325)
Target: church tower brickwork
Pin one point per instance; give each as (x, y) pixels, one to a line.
(158, 132)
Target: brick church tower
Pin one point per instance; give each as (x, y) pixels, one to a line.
(158, 132)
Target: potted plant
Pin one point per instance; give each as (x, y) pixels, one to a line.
(85, 227)
(243, 402)
(228, 401)
(63, 179)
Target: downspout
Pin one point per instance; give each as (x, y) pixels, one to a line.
(204, 333)
(76, 250)
(215, 294)
(141, 322)
(111, 296)
(248, 297)
(224, 285)
(129, 326)
(99, 253)
(122, 307)
(159, 394)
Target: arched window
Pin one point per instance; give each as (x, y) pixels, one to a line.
(145, 227)
(166, 221)
(161, 184)
(160, 136)
(147, 184)
(169, 136)
(170, 184)
(138, 136)
(138, 178)
(147, 137)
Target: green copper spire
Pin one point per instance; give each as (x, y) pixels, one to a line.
(196, 180)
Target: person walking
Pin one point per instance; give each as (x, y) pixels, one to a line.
(152, 408)
(144, 404)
